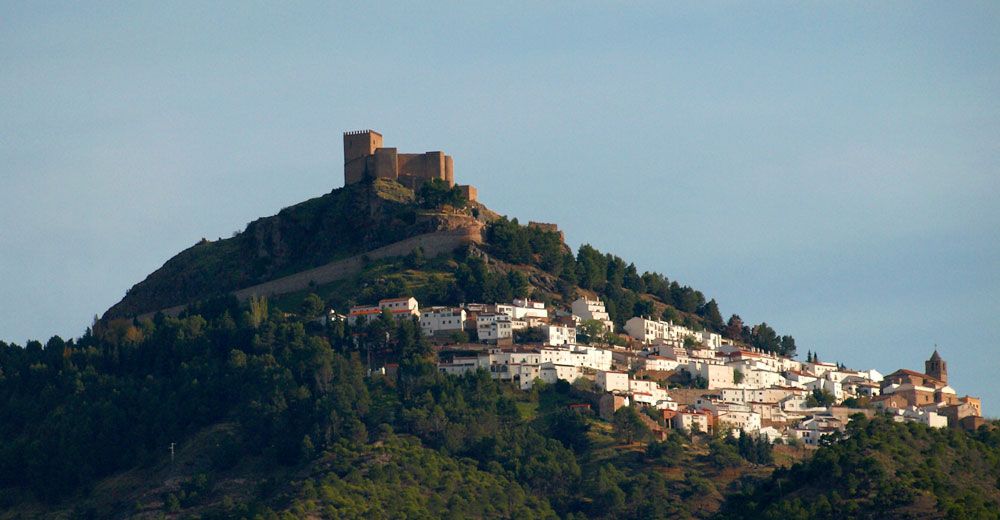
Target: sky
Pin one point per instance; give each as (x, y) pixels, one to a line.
(833, 170)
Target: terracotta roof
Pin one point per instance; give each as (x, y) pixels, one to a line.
(913, 373)
(366, 312)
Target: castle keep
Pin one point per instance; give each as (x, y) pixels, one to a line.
(365, 157)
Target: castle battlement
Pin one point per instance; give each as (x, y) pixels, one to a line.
(365, 157)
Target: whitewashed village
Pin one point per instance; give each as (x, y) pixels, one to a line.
(688, 380)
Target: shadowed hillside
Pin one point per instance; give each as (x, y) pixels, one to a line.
(345, 222)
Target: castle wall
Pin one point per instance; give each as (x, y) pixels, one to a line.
(365, 156)
(469, 192)
(385, 165)
(355, 170)
(422, 167)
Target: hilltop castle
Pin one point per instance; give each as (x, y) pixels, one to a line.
(365, 157)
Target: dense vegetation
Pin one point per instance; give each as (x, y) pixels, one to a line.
(882, 469)
(625, 291)
(298, 395)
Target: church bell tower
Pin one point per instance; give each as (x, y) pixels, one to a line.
(936, 367)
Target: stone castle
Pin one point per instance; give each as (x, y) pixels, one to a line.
(365, 157)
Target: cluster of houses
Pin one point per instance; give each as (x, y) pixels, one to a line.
(736, 388)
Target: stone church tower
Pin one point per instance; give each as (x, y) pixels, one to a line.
(936, 367)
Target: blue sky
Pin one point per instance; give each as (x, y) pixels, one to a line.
(832, 171)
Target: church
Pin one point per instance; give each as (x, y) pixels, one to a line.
(930, 390)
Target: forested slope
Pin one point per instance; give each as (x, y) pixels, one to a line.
(882, 469)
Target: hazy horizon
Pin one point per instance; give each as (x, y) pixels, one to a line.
(833, 172)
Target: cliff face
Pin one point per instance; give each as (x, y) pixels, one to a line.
(346, 222)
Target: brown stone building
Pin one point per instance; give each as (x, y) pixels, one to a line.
(917, 389)
(905, 388)
(365, 157)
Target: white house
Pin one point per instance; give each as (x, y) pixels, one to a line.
(659, 363)
(442, 320)
(494, 327)
(738, 418)
(586, 309)
(551, 372)
(559, 334)
(717, 376)
(755, 378)
(398, 307)
(459, 366)
(648, 331)
(710, 339)
(826, 385)
(648, 391)
(914, 414)
(581, 356)
(812, 429)
(692, 420)
(612, 381)
(525, 308)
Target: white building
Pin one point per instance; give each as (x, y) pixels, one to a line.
(398, 307)
(659, 363)
(692, 420)
(649, 392)
(586, 309)
(459, 366)
(559, 334)
(551, 372)
(772, 395)
(525, 308)
(738, 419)
(580, 356)
(612, 381)
(710, 339)
(442, 320)
(717, 376)
(761, 378)
(826, 385)
(914, 414)
(646, 330)
(494, 327)
(649, 331)
(812, 429)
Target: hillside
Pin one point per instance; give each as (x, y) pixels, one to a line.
(347, 221)
(273, 412)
